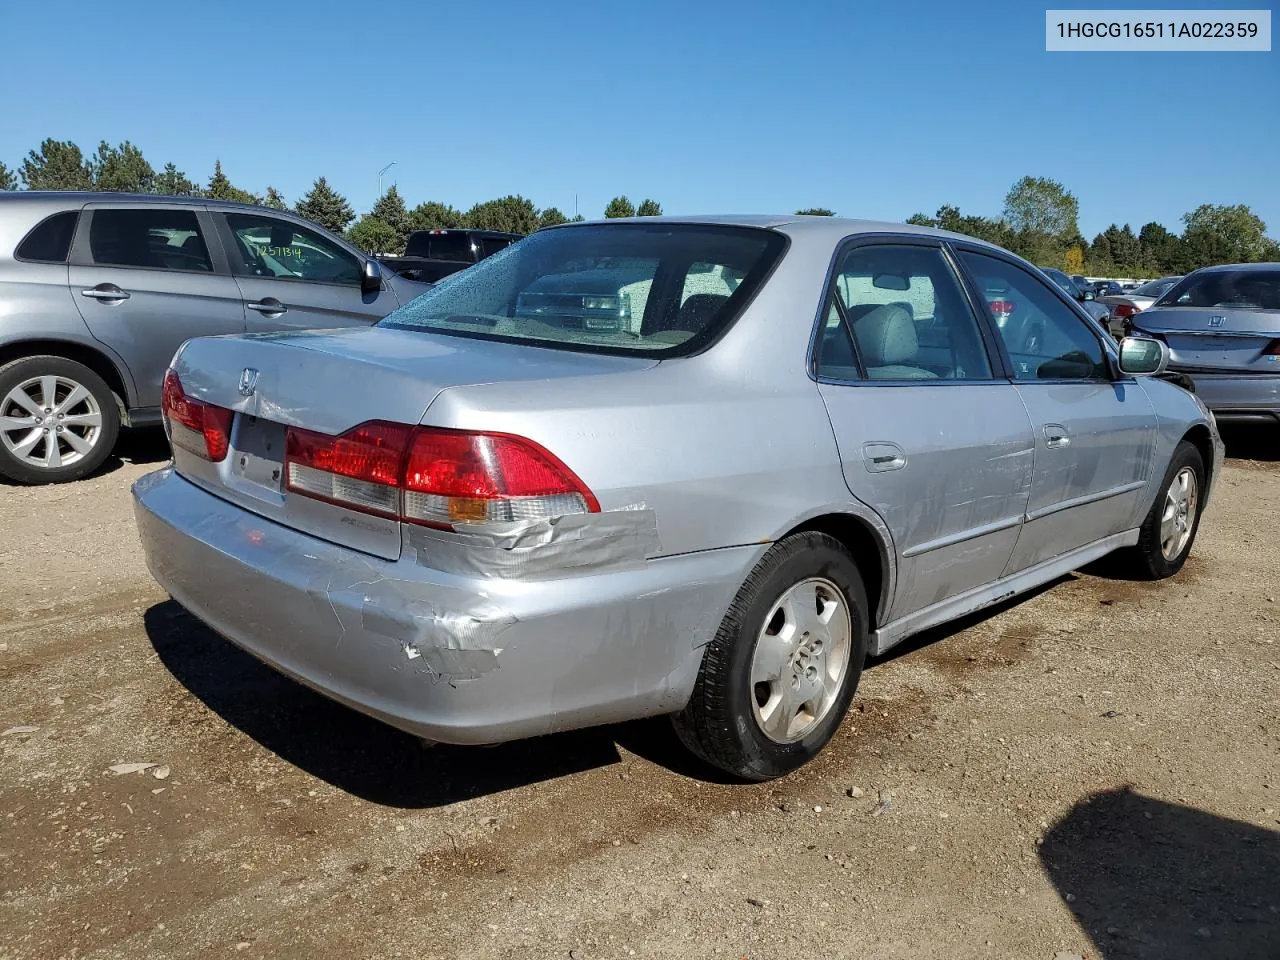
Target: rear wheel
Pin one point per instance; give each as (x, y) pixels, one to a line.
(58, 420)
(1170, 528)
(781, 671)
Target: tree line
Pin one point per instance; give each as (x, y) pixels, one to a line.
(61, 165)
(1039, 219)
(1039, 222)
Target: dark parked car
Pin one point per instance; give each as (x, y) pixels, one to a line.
(432, 255)
(99, 290)
(1222, 325)
(1082, 295)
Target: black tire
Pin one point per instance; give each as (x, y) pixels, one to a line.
(1147, 561)
(719, 723)
(20, 470)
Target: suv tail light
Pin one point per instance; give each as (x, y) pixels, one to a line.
(195, 426)
(1122, 310)
(433, 476)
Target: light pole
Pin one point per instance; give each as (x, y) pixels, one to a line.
(381, 172)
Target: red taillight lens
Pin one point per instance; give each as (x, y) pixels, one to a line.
(195, 426)
(1002, 306)
(454, 475)
(1122, 310)
(362, 468)
(433, 476)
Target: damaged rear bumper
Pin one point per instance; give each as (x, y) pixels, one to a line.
(452, 656)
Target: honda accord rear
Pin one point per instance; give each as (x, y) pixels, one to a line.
(691, 467)
(1222, 325)
(430, 520)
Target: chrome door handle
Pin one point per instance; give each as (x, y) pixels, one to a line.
(105, 292)
(882, 456)
(1056, 436)
(268, 307)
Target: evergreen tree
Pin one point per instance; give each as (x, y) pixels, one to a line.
(619, 207)
(325, 206)
(57, 165)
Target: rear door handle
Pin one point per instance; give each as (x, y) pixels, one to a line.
(1056, 436)
(105, 293)
(268, 307)
(883, 456)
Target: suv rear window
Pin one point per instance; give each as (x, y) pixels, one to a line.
(452, 245)
(645, 289)
(1256, 289)
(50, 240)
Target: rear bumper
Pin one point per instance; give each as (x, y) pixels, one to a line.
(1238, 397)
(447, 657)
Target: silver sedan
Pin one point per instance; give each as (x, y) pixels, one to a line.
(1222, 325)
(701, 467)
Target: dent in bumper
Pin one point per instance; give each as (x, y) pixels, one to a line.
(456, 658)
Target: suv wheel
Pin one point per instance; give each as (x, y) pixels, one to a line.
(58, 420)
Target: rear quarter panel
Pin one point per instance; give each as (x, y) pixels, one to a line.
(721, 464)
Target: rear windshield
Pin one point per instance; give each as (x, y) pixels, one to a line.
(648, 289)
(1156, 288)
(442, 246)
(1256, 289)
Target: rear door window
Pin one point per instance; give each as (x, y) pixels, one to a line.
(50, 240)
(154, 238)
(901, 311)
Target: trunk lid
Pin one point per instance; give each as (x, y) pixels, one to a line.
(1216, 338)
(328, 382)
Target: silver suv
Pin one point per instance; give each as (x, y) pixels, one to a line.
(98, 291)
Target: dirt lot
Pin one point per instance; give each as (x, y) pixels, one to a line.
(1093, 771)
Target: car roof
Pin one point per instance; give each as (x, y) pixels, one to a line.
(833, 228)
(1247, 267)
(77, 197)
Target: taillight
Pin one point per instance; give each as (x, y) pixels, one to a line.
(1272, 349)
(195, 426)
(1122, 310)
(362, 468)
(433, 476)
(1002, 306)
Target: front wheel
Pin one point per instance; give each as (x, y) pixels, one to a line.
(1170, 528)
(782, 669)
(58, 420)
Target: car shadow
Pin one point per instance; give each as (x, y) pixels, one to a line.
(1147, 878)
(1251, 441)
(368, 758)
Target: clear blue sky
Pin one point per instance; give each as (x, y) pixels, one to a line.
(873, 110)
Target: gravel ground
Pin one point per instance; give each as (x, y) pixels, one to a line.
(1092, 771)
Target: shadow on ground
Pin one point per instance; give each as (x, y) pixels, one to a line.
(1252, 441)
(1150, 879)
(369, 759)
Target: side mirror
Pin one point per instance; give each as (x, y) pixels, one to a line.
(1143, 357)
(371, 276)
